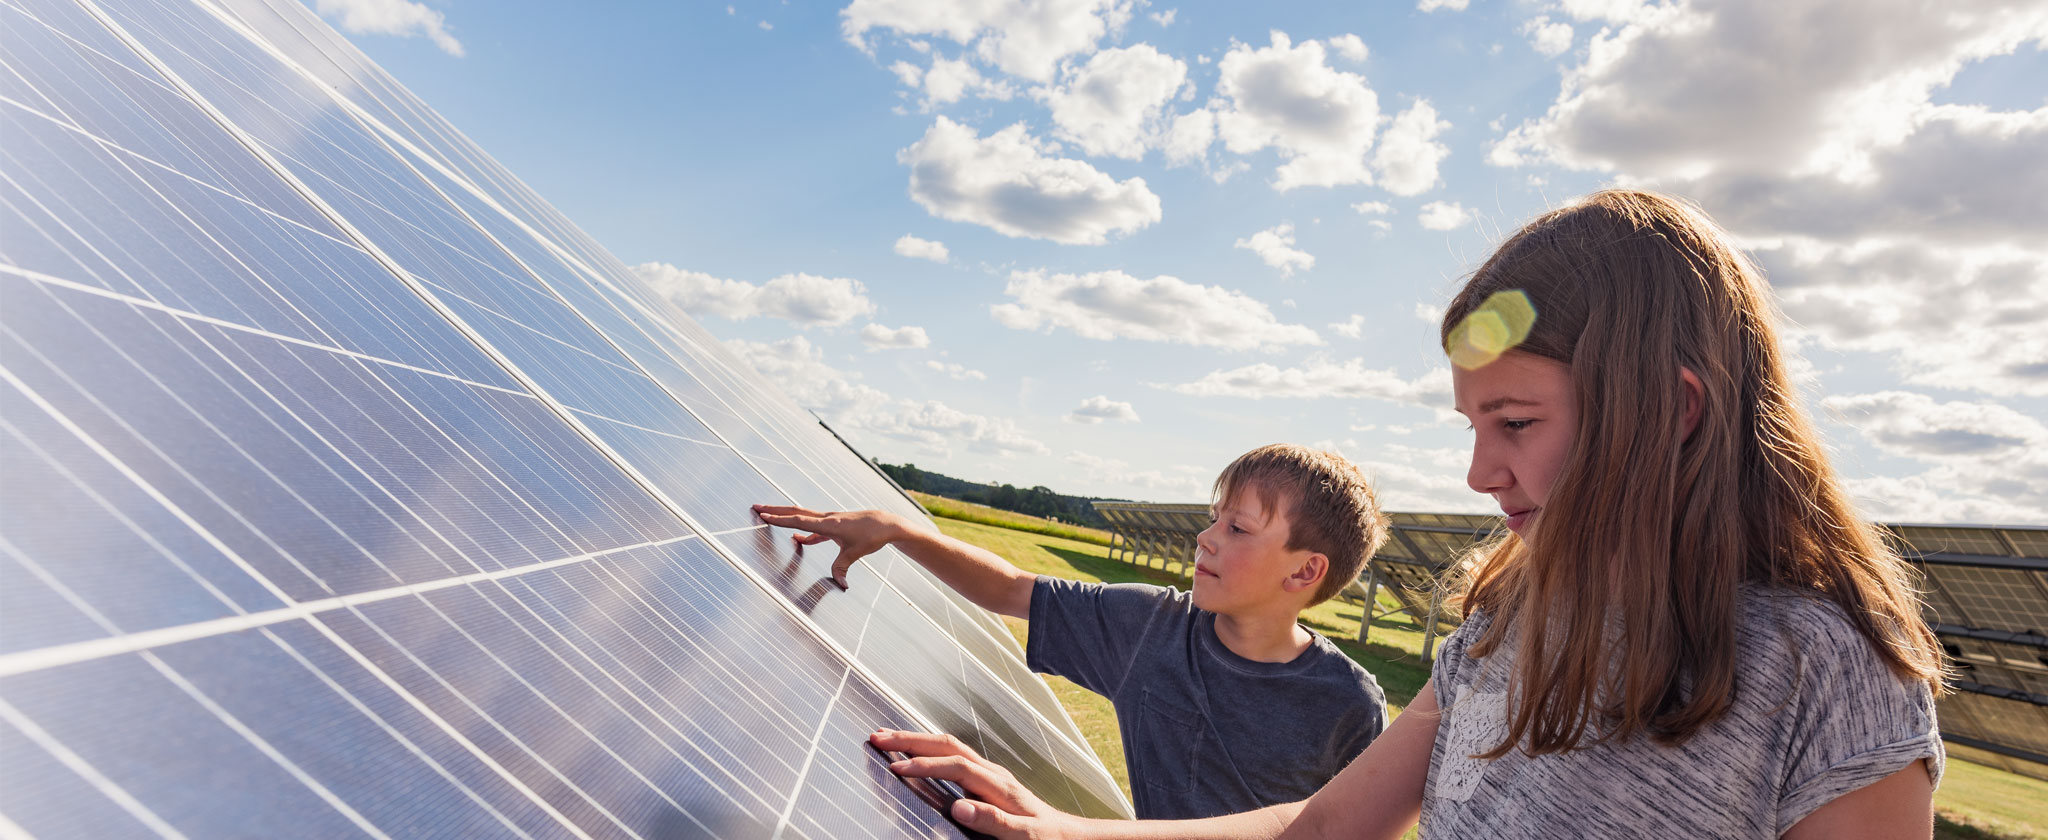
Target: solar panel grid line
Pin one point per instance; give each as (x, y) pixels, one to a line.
(810, 756)
(77, 764)
(999, 683)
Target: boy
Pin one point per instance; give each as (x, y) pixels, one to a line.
(1225, 702)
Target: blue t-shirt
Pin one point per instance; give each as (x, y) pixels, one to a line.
(1206, 732)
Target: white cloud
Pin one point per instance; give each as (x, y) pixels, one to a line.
(1322, 378)
(1443, 215)
(1373, 208)
(1547, 36)
(1275, 245)
(1114, 104)
(956, 370)
(1949, 317)
(766, 26)
(1182, 483)
(799, 368)
(1409, 153)
(922, 249)
(1429, 314)
(1099, 408)
(1007, 183)
(911, 75)
(1351, 47)
(878, 337)
(1107, 305)
(951, 79)
(1353, 327)
(1694, 89)
(1987, 462)
(1190, 136)
(1024, 38)
(1433, 5)
(391, 17)
(806, 299)
(1380, 225)
(1287, 97)
(1165, 18)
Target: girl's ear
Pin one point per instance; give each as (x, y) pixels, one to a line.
(1309, 574)
(1695, 398)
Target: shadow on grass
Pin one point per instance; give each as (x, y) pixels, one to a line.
(1113, 571)
(1948, 829)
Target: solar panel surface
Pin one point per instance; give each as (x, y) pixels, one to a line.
(351, 490)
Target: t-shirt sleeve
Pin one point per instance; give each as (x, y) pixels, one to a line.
(1090, 632)
(1857, 722)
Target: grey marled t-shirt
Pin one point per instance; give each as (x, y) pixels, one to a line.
(1816, 714)
(1206, 731)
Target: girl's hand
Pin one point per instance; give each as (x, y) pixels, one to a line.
(1006, 810)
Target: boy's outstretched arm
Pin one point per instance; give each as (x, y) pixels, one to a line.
(991, 582)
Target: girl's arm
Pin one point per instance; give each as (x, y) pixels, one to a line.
(1896, 807)
(1378, 796)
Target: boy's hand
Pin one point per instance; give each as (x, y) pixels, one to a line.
(1006, 808)
(858, 533)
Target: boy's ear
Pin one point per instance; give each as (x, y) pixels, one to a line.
(1309, 574)
(1695, 399)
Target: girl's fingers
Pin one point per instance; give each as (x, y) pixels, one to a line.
(809, 539)
(784, 510)
(990, 820)
(920, 743)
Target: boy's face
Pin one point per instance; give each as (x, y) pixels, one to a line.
(1243, 561)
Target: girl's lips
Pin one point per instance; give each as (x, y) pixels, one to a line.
(1519, 518)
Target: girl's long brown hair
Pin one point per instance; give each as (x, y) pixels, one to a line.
(1646, 525)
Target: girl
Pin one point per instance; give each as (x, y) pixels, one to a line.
(1685, 633)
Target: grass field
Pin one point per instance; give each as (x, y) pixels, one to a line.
(945, 508)
(1974, 802)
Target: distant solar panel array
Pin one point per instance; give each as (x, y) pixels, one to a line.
(350, 490)
(1986, 593)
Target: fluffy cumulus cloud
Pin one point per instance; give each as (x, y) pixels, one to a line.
(391, 17)
(1408, 155)
(1547, 36)
(1433, 5)
(1010, 183)
(1353, 327)
(1108, 305)
(950, 80)
(922, 249)
(1321, 378)
(1982, 462)
(806, 299)
(878, 337)
(1025, 38)
(1275, 245)
(1099, 409)
(1114, 104)
(1178, 484)
(956, 370)
(1887, 222)
(1443, 215)
(852, 406)
(1287, 97)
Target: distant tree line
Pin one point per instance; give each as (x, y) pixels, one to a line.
(1033, 501)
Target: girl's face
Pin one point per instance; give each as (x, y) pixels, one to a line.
(1523, 418)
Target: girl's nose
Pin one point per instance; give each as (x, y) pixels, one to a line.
(1487, 474)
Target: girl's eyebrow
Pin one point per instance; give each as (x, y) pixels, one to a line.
(1494, 405)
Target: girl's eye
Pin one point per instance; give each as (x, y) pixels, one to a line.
(1516, 425)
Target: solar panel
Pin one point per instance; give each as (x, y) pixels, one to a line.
(350, 489)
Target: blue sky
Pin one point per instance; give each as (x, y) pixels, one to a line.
(1106, 246)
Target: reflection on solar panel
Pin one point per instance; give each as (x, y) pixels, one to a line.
(351, 490)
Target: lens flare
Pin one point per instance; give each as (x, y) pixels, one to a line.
(1500, 324)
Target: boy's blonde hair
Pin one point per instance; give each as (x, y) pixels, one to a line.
(1330, 506)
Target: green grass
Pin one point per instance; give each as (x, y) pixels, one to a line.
(945, 508)
(1974, 802)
